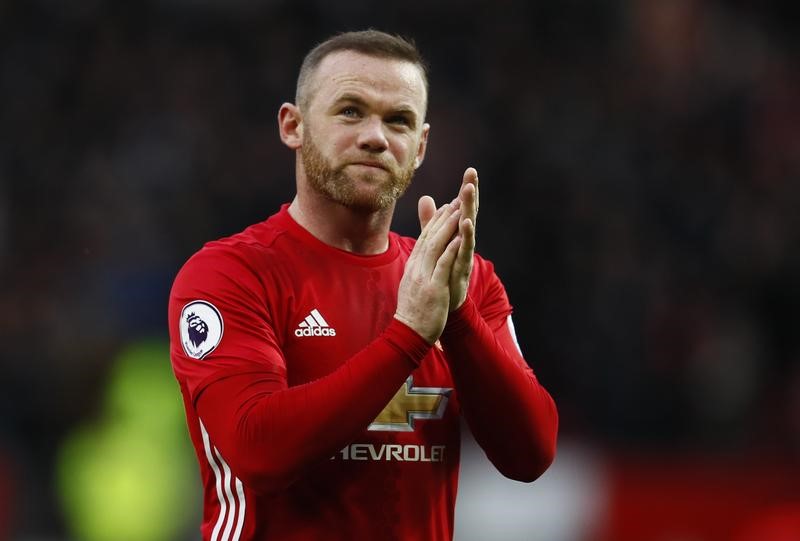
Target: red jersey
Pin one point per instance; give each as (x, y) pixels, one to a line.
(316, 415)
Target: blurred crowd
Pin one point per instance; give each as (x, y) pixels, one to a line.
(640, 169)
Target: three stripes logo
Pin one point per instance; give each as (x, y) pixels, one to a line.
(230, 495)
(314, 325)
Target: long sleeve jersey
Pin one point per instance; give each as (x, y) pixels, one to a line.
(315, 414)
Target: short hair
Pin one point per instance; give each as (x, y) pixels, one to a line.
(368, 42)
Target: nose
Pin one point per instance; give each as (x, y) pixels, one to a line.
(372, 137)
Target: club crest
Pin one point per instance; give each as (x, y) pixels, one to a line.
(201, 328)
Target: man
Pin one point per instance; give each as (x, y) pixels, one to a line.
(323, 360)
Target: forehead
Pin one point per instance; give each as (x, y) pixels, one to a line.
(386, 79)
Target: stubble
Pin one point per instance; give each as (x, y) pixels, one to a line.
(369, 193)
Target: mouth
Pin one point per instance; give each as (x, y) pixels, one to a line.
(371, 165)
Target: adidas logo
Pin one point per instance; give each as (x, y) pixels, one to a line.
(314, 325)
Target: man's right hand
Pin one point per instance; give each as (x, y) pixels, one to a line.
(423, 298)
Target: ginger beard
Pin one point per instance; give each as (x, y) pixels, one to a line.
(368, 192)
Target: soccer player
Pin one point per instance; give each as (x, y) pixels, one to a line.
(324, 361)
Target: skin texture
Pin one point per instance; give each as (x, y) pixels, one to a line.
(358, 142)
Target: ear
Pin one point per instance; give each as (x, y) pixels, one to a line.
(290, 125)
(423, 145)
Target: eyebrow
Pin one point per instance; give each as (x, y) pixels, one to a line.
(350, 98)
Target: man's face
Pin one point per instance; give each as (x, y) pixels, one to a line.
(363, 130)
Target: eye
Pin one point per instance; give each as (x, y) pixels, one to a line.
(400, 120)
(350, 112)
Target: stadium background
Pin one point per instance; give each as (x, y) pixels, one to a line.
(640, 167)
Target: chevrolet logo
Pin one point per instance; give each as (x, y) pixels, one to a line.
(410, 403)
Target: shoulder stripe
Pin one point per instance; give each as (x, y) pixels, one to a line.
(228, 501)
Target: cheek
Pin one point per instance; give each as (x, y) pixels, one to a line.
(340, 141)
(330, 150)
(403, 149)
(329, 138)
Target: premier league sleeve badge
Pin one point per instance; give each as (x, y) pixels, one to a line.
(201, 328)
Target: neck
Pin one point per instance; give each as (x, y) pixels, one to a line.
(356, 231)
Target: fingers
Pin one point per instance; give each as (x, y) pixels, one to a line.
(426, 228)
(430, 242)
(439, 217)
(468, 194)
(444, 265)
(463, 262)
(470, 176)
(443, 230)
(456, 218)
(426, 208)
(467, 231)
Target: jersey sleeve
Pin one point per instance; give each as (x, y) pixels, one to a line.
(489, 294)
(219, 324)
(271, 434)
(512, 416)
(227, 355)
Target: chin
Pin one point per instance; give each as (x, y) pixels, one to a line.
(368, 202)
(364, 193)
(369, 193)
